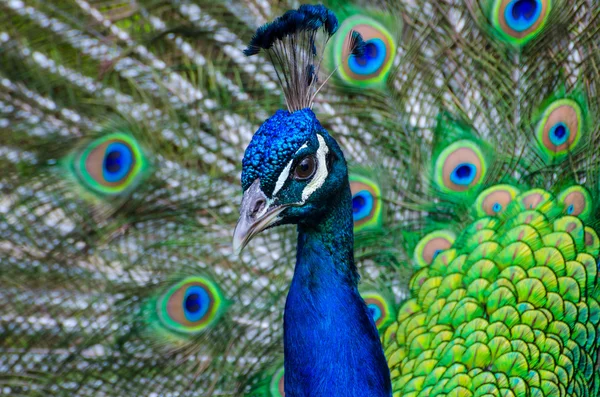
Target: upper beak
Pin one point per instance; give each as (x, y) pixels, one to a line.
(256, 214)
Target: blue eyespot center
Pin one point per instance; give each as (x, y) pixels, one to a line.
(370, 53)
(436, 253)
(525, 8)
(463, 174)
(497, 207)
(521, 15)
(560, 131)
(559, 134)
(118, 160)
(358, 202)
(362, 205)
(570, 209)
(113, 162)
(195, 303)
(192, 303)
(372, 60)
(375, 311)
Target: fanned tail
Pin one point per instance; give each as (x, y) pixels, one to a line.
(471, 129)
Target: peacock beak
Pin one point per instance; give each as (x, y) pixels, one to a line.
(256, 214)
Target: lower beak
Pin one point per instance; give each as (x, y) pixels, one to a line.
(255, 216)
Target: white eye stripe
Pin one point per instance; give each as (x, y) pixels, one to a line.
(285, 174)
(321, 173)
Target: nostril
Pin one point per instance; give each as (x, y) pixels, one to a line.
(259, 205)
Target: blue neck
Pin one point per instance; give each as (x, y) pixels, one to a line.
(332, 347)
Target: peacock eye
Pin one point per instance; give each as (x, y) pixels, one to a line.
(495, 200)
(109, 165)
(560, 129)
(374, 65)
(577, 201)
(305, 168)
(190, 306)
(366, 203)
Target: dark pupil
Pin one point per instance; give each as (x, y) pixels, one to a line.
(305, 168)
(192, 303)
(358, 203)
(370, 53)
(112, 162)
(560, 131)
(464, 171)
(525, 8)
(372, 310)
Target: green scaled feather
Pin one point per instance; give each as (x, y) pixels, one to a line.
(483, 313)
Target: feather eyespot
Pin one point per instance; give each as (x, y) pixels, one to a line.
(577, 202)
(109, 165)
(560, 128)
(191, 305)
(374, 65)
(534, 199)
(431, 246)
(520, 20)
(592, 242)
(366, 203)
(459, 167)
(494, 200)
(379, 308)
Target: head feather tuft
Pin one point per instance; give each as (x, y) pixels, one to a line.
(292, 43)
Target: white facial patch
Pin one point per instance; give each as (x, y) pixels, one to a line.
(285, 174)
(321, 173)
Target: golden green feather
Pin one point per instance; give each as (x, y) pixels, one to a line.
(510, 308)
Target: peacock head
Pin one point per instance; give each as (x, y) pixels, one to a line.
(291, 171)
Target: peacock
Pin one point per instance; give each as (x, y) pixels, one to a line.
(431, 168)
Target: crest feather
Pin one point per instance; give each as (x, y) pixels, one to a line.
(294, 46)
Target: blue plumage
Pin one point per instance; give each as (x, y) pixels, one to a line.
(332, 347)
